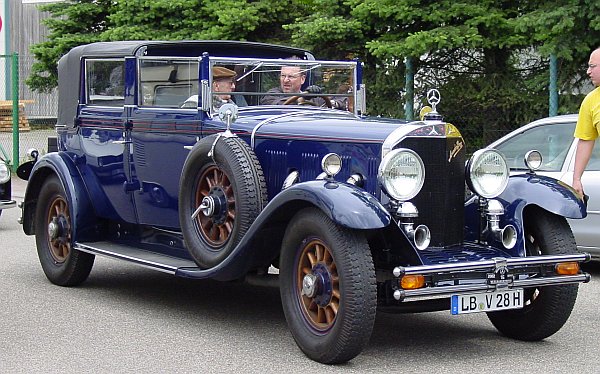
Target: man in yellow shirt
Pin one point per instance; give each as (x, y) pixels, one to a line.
(588, 122)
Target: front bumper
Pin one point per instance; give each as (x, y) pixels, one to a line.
(444, 280)
(5, 204)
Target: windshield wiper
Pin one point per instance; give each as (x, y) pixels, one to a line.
(250, 71)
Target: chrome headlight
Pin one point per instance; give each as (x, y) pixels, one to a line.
(401, 174)
(533, 160)
(4, 172)
(487, 173)
(331, 164)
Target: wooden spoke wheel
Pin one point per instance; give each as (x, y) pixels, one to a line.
(62, 264)
(327, 286)
(220, 196)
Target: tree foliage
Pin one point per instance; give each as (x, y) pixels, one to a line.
(71, 25)
(78, 22)
(488, 58)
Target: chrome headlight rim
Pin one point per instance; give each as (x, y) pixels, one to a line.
(387, 184)
(331, 164)
(533, 160)
(4, 172)
(474, 169)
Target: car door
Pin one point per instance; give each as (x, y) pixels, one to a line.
(104, 140)
(162, 131)
(586, 230)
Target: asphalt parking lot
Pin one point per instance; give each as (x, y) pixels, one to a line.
(127, 318)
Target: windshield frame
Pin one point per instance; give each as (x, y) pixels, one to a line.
(273, 66)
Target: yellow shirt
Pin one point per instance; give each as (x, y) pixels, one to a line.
(588, 122)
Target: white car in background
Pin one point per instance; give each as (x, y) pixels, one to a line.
(553, 137)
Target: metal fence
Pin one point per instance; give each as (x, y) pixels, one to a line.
(27, 118)
(42, 106)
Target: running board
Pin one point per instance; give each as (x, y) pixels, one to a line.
(152, 260)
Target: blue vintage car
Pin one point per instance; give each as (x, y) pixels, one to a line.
(238, 160)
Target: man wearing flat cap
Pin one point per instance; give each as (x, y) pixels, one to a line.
(223, 81)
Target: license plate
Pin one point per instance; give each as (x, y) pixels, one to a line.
(487, 301)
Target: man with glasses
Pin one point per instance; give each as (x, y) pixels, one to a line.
(291, 80)
(588, 122)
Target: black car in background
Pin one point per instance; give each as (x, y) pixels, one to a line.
(5, 186)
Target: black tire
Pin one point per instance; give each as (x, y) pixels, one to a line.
(234, 179)
(546, 309)
(333, 324)
(62, 264)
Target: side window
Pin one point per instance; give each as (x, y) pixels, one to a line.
(105, 82)
(552, 140)
(168, 83)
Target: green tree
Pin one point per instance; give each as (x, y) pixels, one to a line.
(488, 58)
(71, 25)
(85, 21)
(334, 31)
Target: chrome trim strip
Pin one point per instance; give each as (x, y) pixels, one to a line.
(148, 264)
(7, 204)
(206, 95)
(272, 119)
(405, 295)
(279, 62)
(560, 279)
(489, 264)
(360, 100)
(401, 132)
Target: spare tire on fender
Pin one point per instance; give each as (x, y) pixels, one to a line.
(231, 184)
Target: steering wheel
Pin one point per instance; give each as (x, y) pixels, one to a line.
(299, 100)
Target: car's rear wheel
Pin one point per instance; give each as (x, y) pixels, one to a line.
(62, 264)
(231, 186)
(546, 309)
(327, 285)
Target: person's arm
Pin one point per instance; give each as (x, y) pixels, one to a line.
(582, 157)
(273, 99)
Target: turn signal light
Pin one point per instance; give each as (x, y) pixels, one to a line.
(411, 282)
(567, 268)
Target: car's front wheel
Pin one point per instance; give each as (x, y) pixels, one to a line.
(327, 285)
(546, 309)
(62, 264)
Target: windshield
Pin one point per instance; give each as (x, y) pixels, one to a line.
(249, 82)
(552, 140)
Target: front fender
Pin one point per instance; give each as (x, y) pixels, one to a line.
(345, 204)
(548, 193)
(523, 191)
(80, 206)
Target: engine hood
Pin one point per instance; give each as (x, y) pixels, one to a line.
(331, 125)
